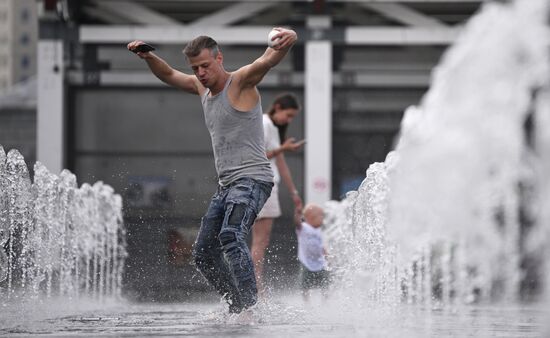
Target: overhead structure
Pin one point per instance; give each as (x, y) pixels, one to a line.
(232, 14)
(173, 22)
(134, 12)
(403, 14)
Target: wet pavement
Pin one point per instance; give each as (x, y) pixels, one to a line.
(281, 316)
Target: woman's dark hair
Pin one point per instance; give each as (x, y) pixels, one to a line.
(284, 101)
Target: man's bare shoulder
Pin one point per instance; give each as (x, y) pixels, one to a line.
(242, 97)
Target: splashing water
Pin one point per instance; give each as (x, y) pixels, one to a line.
(4, 226)
(448, 218)
(461, 206)
(60, 240)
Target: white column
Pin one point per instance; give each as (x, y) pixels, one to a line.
(50, 117)
(318, 121)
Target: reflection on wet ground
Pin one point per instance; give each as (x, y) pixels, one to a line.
(281, 316)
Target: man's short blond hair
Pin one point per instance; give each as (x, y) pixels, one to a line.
(195, 46)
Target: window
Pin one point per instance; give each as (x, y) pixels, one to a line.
(25, 39)
(25, 15)
(25, 61)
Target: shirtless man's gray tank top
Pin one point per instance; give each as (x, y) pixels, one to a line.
(237, 139)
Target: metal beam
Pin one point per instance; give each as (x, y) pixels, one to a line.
(371, 1)
(318, 121)
(351, 79)
(105, 15)
(400, 36)
(274, 15)
(318, 114)
(232, 14)
(421, 1)
(403, 14)
(50, 105)
(231, 1)
(136, 13)
(257, 35)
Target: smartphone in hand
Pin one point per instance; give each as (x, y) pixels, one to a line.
(301, 142)
(143, 48)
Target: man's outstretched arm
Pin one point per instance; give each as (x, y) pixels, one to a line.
(165, 72)
(250, 75)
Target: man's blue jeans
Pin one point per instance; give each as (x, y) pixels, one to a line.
(221, 252)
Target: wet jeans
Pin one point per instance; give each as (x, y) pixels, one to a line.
(221, 252)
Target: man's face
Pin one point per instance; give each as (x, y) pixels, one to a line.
(206, 67)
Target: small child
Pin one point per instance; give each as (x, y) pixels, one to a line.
(311, 250)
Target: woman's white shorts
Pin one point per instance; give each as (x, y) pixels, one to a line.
(272, 208)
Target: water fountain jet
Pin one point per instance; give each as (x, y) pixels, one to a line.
(60, 239)
(442, 220)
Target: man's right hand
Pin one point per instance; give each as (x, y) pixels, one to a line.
(285, 38)
(132, 45)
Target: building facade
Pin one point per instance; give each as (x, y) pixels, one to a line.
(18, 37)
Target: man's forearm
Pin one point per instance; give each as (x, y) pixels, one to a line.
(274, 57)
(159, 67)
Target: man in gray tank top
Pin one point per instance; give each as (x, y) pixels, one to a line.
(233, 114)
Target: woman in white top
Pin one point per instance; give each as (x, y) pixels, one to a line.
(276, 121)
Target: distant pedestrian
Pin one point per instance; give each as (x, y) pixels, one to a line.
(283, 110)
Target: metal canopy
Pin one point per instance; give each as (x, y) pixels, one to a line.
(320, 24)
(403, 14)
(245, 11)
(231, 14)
(368, 22)
(256, 35)
(136, 13)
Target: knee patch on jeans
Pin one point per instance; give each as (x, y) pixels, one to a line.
(227, 237)
(238, 213)
(235, 230)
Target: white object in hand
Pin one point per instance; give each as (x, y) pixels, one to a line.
(272, 43)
